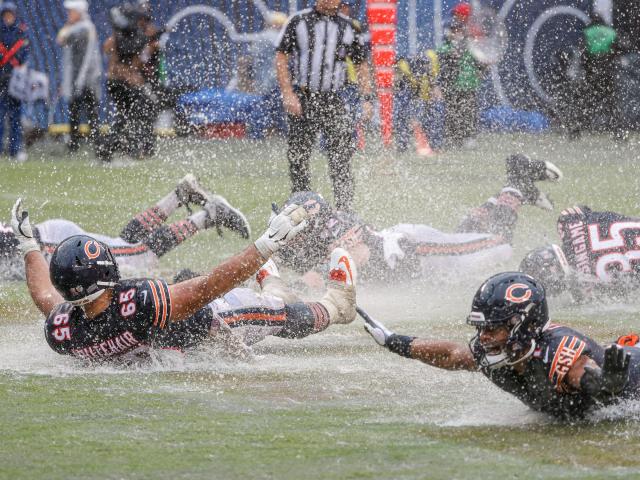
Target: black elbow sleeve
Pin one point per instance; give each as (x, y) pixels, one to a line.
(400, 344)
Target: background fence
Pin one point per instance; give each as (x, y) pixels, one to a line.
(202, 53)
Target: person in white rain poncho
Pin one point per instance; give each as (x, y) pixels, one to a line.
(81, 68)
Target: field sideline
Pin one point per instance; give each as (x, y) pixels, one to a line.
(330, 406)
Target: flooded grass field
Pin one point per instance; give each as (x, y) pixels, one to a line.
(333, 405)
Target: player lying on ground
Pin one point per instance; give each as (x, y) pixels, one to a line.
(92, 314)
(405, 250)
(144, 239)
(598, 256)
(551, 368)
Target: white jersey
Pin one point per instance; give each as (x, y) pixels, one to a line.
(443, 253)
(132, 258)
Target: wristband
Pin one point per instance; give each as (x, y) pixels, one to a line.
(400, 344)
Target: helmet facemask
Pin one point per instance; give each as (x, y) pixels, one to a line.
(515, 301)
(519, 345)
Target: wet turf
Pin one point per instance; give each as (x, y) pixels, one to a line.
(330, 406)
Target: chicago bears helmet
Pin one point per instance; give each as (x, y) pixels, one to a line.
(317, 208)
(511, 299)
(549, 265)
(81, 267)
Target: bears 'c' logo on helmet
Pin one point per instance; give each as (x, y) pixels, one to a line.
(92, 249)
(518, 293)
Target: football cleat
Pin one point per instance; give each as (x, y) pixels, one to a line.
(190, 192)
(522, 168)
(268, 277)
(340, 298)
(523, 172)
(220, 213)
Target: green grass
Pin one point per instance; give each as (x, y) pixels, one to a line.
(330, 406)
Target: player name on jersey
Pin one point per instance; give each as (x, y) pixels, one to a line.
(118, 345)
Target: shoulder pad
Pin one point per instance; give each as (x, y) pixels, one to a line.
(57, 328)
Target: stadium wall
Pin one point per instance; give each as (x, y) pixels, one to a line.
(202, 53)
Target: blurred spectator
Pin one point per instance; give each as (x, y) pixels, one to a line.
(13, 55)
(162, 96)
(127, 87)
(598, 59)
(460, 78)
(256, 74)
(35, 112)
(263, 52)
(418, 107)
(82, 69)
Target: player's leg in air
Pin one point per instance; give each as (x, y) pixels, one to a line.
(149, 228)
(499, 214)
(254, 316)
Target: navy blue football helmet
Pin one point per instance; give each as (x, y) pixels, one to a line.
(81, 268)
(515, 300)
(549, 265)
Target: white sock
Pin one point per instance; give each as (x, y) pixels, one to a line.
(168, 204)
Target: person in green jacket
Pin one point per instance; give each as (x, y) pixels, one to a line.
(460, 78)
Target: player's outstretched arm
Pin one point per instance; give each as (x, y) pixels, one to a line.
(42, 291)
(191, 295)
(437, 353)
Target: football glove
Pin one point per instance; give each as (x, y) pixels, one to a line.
(400, 344)
(613, 376)
(378, 331)
(22, 229)
(281, 229)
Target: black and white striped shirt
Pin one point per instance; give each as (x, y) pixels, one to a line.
(320, 44)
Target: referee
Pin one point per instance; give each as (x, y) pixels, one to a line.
(316, 43)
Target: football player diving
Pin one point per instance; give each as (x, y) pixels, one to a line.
(597, 257)
(144, 239)
(92, 314)
(551, 368)
(408, 250)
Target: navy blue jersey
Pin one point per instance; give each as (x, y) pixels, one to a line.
(542, 384)
(137, 318)
(604, 245)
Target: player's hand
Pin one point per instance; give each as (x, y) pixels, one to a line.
(282, 228)
(228, 342)
(615, 369)
(22, 228)
(291, 104)
(378, 331)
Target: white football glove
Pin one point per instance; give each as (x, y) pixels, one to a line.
(378, 331)
(281, 229)
(22, 229)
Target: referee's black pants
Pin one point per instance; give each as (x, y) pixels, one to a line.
(324, 113)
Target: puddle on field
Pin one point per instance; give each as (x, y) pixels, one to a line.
(342, 366)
